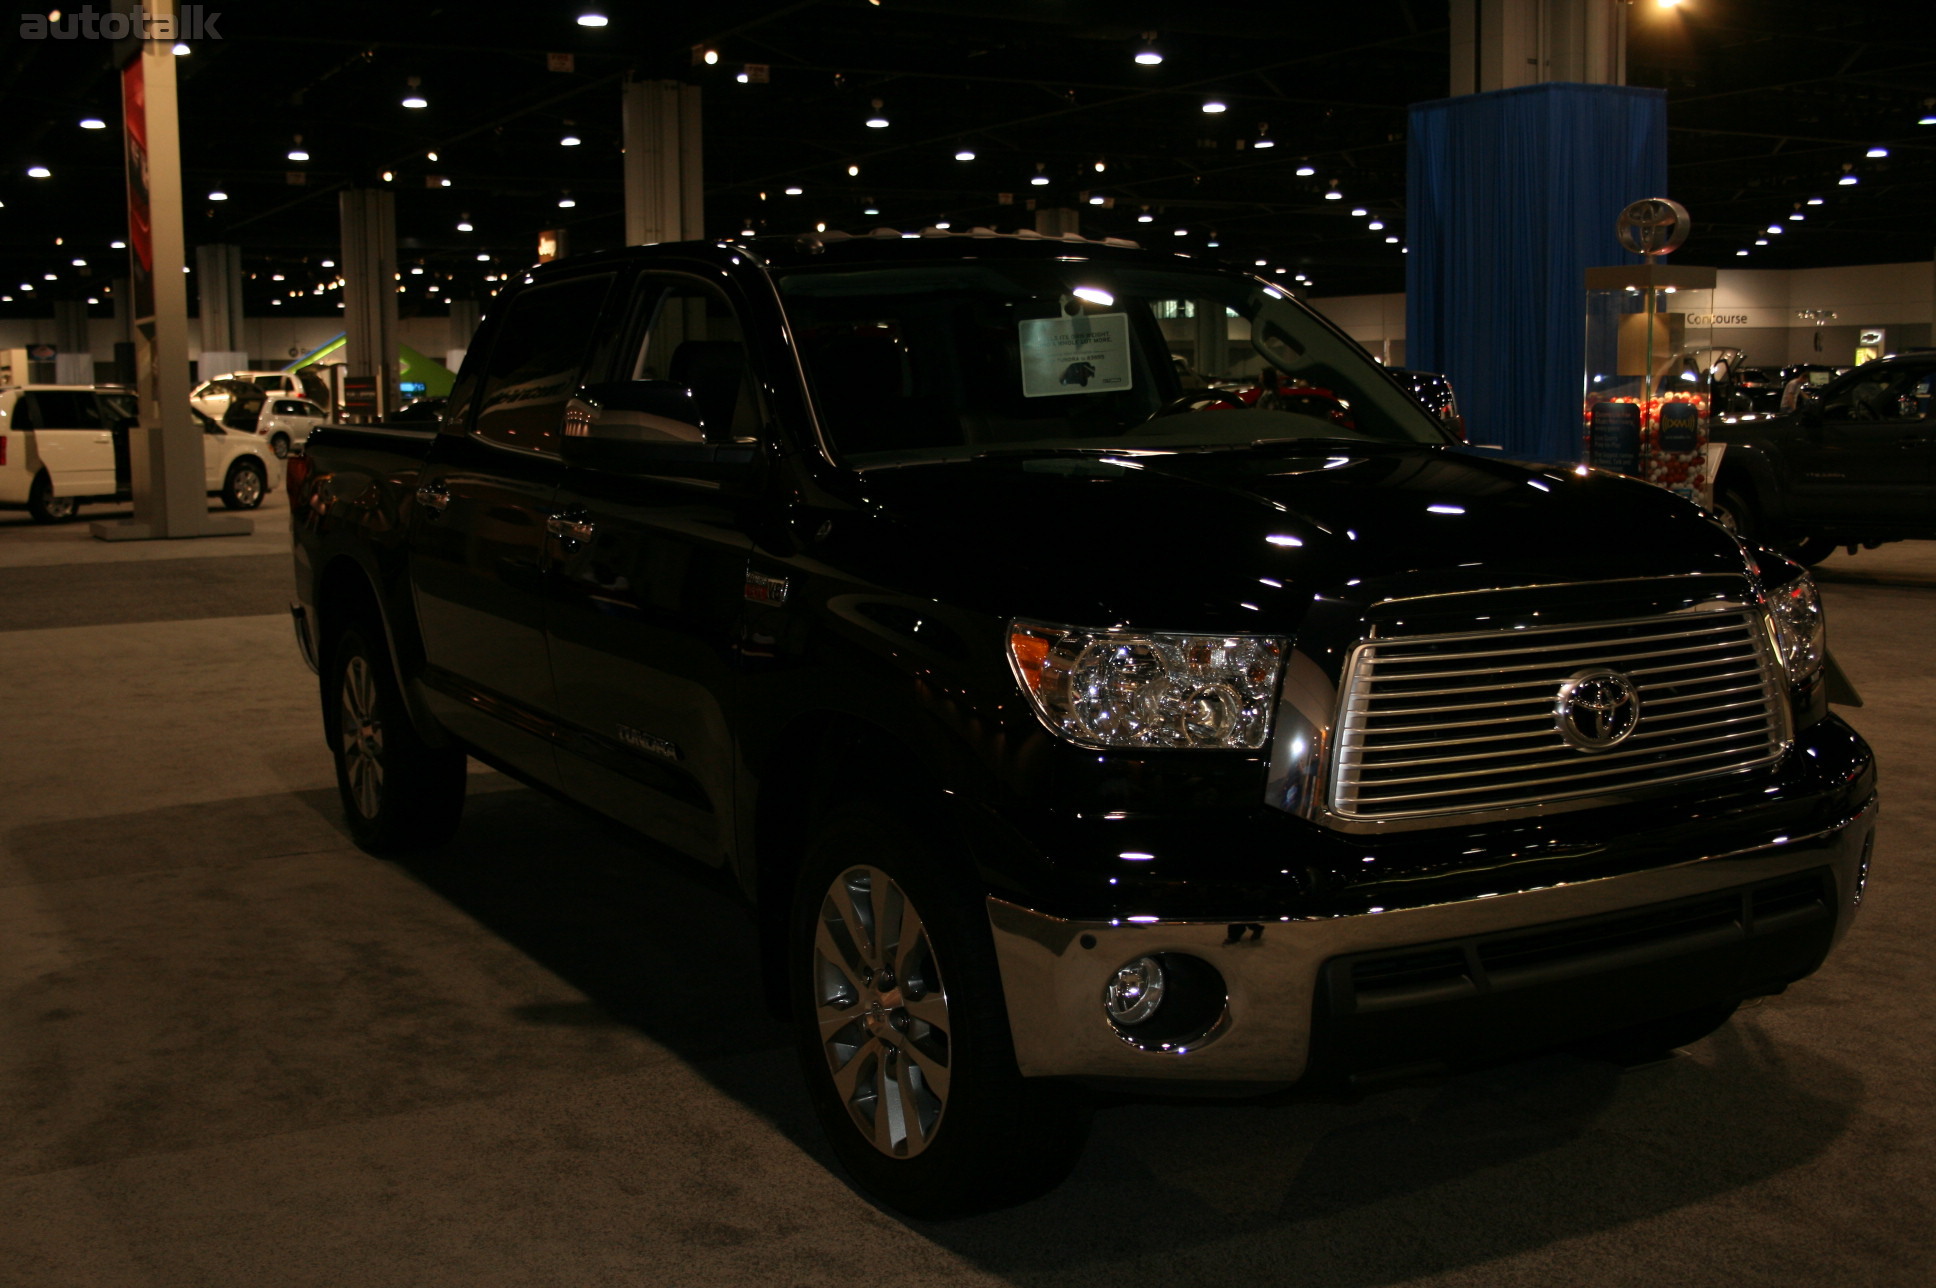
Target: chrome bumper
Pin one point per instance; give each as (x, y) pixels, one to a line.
(1054, 983)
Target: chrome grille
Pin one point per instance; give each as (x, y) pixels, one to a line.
(1466, 723)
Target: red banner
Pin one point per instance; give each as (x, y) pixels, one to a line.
(141, 238)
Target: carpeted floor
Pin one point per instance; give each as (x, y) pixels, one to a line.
(236, 1051)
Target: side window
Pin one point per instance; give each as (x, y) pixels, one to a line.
(681, 374)
(310, 409)
(61, 409)
(116, 408)
(535, 364)
(26, 412)
(289, 407)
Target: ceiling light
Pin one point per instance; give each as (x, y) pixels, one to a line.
(49, 277)
(39, 172)
(1281, 270)
(1359, 212)
(218, 195)
(297, 154)
(1334, 195)
(964, 154)
(820, 227)
(430, 156)
(1391, 241)
(943, 225)
(853, 172)
(569, 141)
(1814, 201)
(1264, 143)
(464, 224)
(482, 258)
(1877, 151)
(1776, 228)
(93, 123)
(592, 18)
(711, 57)
(415, 271)
(566, 202)
(871, 210)
(1146, 218)
(748, 232)
(181, 49)
(1797, 217)
(877, 121)
(1097, 199)
(1306, 170)
(1213, 242)
(1847, 181)
(277, 277)
(1761, 241)
(1094, 295)
(1181, 232)
(117, 245)
(1039, 179)
(794, 192)
(80, 263)
(1147, 54)
(1376, 225)
(1212, 106)
(743, 78)
(412, 98)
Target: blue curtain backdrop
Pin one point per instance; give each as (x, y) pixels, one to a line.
(1512, 195)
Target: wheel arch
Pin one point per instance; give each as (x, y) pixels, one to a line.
(346, 593)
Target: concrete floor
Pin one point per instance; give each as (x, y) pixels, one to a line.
(234, 1050)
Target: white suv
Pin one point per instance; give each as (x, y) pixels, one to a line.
(63, 445)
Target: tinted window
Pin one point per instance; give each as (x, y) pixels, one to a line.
(270, 382)
(291, 407)
(116, 408)
(535, 364)
(682, 373)
(56, 409)
(936, 361)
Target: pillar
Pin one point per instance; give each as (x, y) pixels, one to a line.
(1499, 44)
(218, 279)
(123, 332)
(664, 174)
(368, 266)
(1053, 221)
(165, 451)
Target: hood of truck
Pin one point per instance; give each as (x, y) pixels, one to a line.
(1244, 539)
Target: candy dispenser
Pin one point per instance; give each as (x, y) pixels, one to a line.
(1649, 353)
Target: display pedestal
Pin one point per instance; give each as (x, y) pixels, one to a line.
(1649, 346)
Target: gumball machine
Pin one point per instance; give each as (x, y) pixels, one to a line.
(1649, 358)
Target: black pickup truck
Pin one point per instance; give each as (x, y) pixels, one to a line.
(1853, 464)
(1066, 727)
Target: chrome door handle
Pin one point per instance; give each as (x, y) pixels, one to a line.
(573, 525)
(434, 496)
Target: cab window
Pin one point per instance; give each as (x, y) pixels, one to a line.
(680, 374)
(536, 362)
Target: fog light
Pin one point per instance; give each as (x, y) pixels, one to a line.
(1134, 992)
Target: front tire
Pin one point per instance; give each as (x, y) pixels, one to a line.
(45, 507)
(399, 793)
(902, 1031)
(245, 486)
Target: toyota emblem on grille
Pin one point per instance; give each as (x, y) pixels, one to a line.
(1596, 709)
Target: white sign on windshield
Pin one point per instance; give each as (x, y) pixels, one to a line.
(1079, 355)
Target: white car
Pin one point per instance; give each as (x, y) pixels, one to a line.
(286, 421)
(65, 445)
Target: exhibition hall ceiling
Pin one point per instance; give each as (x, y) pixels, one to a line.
(1772, 104)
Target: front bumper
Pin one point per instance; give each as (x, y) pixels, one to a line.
(1286, 1014)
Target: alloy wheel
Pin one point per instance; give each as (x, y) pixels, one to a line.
(248, 487)
(881, 1011)
(362, 736)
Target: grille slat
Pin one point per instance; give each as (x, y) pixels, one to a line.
(1466, 723)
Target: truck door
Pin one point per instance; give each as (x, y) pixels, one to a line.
(73, 442)
(477, 529)
(649, 548)
(1871, 457)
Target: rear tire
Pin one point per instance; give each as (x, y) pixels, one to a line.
(280, 446)
(399, 793)
(45, 507)
(902, 1031)
(245, 486)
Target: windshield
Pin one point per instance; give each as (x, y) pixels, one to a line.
(945, 361)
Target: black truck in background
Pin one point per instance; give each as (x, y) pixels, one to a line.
(1066, 734)
(1854, 464)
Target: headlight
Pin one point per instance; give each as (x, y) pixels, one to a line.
(1800, 631)
(1104, 688)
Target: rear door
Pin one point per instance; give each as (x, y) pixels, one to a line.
(477, 528)
(74, 444)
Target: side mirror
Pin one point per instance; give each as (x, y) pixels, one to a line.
(640, 411)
